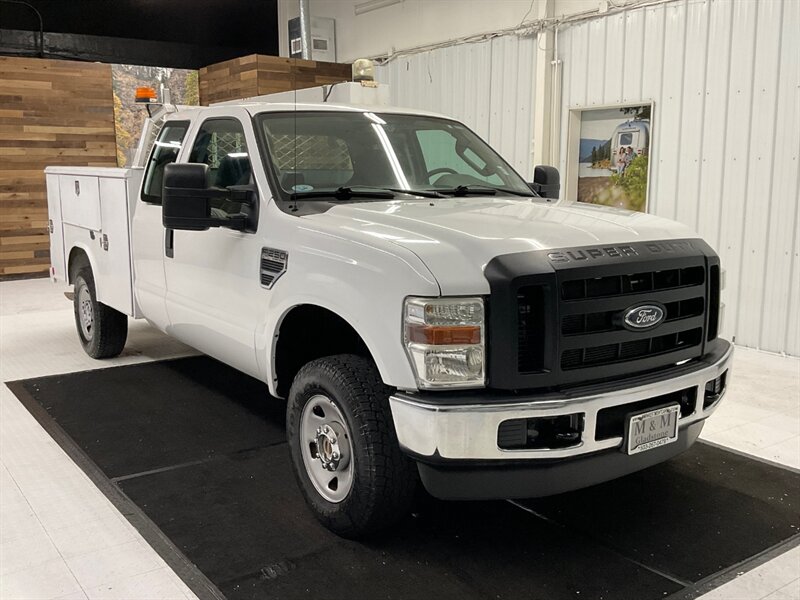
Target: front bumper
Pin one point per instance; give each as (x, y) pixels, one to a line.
(536, 478)
(446, 431)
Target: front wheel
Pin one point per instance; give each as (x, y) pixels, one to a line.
(344, 449)
(101, 329)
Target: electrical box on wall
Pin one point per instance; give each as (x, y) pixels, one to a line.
(323, 39)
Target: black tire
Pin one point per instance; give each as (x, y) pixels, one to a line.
(105, 336)
(384, 480)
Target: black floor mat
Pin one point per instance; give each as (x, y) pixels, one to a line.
(199, 448)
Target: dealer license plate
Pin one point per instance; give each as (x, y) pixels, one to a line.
(653, 428)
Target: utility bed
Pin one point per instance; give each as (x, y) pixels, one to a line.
(93, 206)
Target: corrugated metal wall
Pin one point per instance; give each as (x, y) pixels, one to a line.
(489, 86)
(725, 79)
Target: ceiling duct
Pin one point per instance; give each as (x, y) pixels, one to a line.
(370, 5)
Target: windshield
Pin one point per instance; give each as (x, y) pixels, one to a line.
(316, 152)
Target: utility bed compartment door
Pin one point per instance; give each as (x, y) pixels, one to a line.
(58, 261)
(80, 201)
(113, 257)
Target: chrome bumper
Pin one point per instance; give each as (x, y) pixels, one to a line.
(469, 431)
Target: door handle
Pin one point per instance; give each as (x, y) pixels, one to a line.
(169, 243)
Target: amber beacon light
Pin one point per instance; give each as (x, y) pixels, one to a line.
(145, 94)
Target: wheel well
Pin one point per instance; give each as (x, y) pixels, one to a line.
(77, 260)
(309, 332)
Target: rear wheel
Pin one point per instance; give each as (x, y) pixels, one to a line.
(101, 329)
(344, 449)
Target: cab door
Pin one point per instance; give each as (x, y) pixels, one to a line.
(213, 283)
(148, 236)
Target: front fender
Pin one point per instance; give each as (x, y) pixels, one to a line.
(384, 356)
(364, 284)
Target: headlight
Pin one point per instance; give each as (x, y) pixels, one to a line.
(444, 338)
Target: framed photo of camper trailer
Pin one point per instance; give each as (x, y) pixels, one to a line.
(608, 156)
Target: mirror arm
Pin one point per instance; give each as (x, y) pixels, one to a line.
(246, 194)
(545, 190)
(232, 222)
(236, 193)
(200, 193)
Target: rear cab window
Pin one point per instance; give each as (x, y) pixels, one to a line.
(318, 160)
(165, 151)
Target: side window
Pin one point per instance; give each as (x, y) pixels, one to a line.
(439, 152)
(165, 151)
(220, 144)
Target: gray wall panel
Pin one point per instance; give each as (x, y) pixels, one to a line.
(725, 79)
(488, 85)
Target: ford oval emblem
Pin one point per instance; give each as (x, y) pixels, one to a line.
(644, 316)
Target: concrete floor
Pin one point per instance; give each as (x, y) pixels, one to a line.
(61, 538)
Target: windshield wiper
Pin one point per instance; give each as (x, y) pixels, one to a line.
(516, 193)
(464, 190)
(345, 193)
(365, 191)
(420, 193)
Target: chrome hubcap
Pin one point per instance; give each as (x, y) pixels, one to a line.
(85, 312)
(326, 448)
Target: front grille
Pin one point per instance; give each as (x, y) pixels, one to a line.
(635, 283)
(577, 358)
(557, 317)
(592, 337)
(598, 322)
(713, 301)
(530, 329)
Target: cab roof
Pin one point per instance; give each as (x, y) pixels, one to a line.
(255, 108)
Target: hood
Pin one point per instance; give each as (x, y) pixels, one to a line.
(457, 237)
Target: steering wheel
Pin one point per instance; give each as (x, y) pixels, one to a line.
(447, 170)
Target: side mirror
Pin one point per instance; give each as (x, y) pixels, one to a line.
(186, 200)
(546, 181)
(184, 204)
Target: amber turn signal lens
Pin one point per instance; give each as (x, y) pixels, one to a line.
(438, 335)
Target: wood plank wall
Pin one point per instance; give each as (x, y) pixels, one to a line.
(52, 112)
(257, 74)
(55, 112)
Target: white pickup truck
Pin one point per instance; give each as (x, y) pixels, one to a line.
(429, 316)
